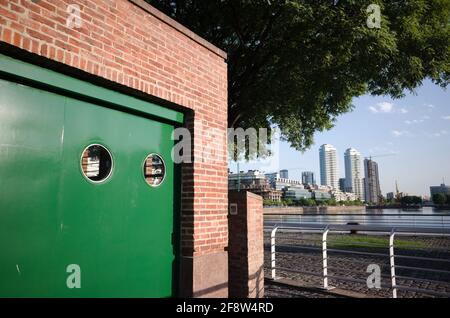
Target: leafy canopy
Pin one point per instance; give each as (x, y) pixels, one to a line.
(298, 64)
(439, 198)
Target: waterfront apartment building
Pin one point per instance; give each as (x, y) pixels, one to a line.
(297, 194)
(308, 177)
(353, 175)
(329, 172)
(372, 189)
(442, 189)
(339, 195)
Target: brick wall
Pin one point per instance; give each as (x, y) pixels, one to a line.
(246, 246)
(132, 44)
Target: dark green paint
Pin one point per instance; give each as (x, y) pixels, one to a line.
(119, 231)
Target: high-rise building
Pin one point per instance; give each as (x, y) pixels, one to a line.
(329, 172)
(372, 182)
(308, 177)
(353, 175)
(284, 174)
(342, 184)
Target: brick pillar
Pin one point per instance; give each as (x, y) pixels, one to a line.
(245, 245)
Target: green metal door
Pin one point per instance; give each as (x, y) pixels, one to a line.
(117, 232)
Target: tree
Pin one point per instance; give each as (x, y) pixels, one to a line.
(307, 202)
(439, 198)
(409, 200)
(297, 64)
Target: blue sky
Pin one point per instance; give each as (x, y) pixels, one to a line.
(413, 131)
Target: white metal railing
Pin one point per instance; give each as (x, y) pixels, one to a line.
(326, 229)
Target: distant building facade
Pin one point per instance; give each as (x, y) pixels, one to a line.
(278, 183)
(253, 181)
(442, 189)
(372, 182)
(342, 184)
(308, 177)
(329, 172)
(284, 174)
(353, 175)
(339, 195)
(297, 194)
(390, 196)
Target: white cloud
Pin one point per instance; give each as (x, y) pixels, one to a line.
(386, 108)
(417, 121)
(414, 121)
(383, 107)
(401, 133)
(446, 117)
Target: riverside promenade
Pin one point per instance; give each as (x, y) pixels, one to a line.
(313, 209)
(294, 253)
(357, 240)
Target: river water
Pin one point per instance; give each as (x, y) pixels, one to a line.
(427, 217)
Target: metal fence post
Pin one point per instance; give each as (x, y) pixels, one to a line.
(272, 251)
(392, 263)
(325, 258)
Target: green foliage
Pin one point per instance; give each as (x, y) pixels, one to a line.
(409, 200)
(367, 241)
(267, 202)
(307, 202)
(439, 198)
(287, 202)
(298, 64)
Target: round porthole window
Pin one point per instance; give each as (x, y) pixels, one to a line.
(154, 170)
(96, 163)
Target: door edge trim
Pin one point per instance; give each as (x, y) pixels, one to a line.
(67, 84)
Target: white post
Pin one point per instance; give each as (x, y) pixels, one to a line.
(272, 251)
(392, 263)
(325, 258)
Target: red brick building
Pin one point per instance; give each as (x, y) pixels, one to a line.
(130, 47)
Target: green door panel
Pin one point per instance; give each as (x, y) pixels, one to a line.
(30, 167)
(119, 232)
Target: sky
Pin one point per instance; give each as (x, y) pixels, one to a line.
(411, 135)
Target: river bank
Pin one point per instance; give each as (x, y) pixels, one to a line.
(313, 209)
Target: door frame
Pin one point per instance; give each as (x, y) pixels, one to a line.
(39, 77)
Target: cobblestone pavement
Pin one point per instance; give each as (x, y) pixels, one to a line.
(295, 252)
(278, 291)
